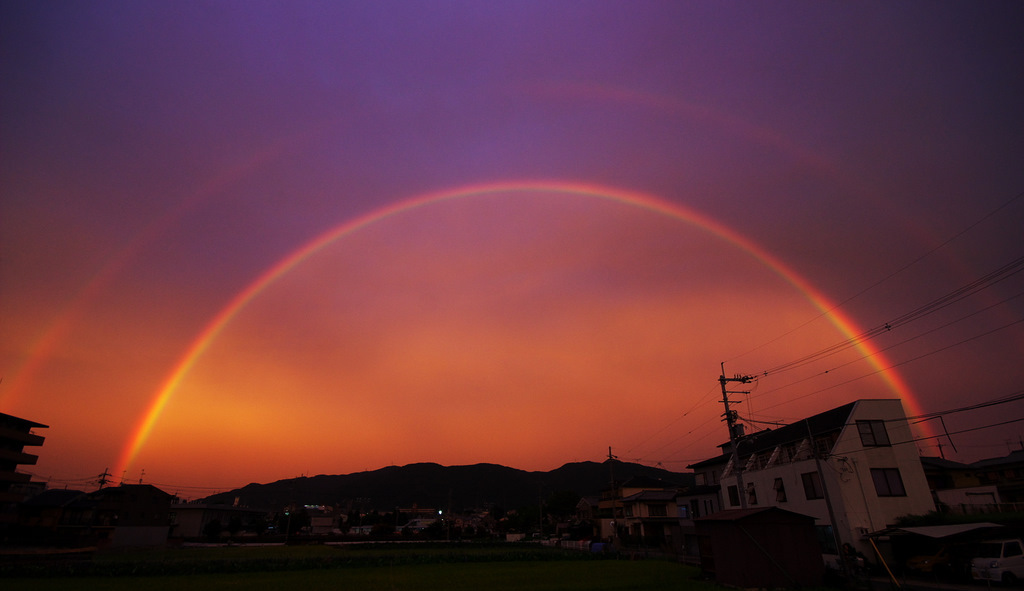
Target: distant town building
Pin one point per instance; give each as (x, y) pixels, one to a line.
(625, 513)
(200, 519)
(127, 515)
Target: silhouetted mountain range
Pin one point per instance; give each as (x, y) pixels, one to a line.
(443, 487)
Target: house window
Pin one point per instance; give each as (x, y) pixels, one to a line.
(734, 496)
(629, 510)
(695, 508)
(873, 433)
(812, 486)
(657, 511)
(751, 494)
(684, 512)
(780, 491)
(888, 482)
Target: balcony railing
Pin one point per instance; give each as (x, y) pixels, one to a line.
(972, 509)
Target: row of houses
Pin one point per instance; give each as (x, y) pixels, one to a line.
(846, 473)
(852, 470)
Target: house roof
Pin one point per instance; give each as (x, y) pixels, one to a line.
(741, 514)
(936, 531)
(942, 463)
(1016, 457)
(647, 482)
(710, 462)
(123, 490)
(819, 424)
(700, 489)
(651, 495)
(56, 497)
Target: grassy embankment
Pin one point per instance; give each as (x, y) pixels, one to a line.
(311, 568)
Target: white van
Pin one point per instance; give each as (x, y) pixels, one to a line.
(999, 560)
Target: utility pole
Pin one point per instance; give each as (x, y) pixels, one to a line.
(611, 474)
(843, 558)
(730, 418)
(103, 478)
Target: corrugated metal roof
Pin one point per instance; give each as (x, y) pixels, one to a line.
(936, 531)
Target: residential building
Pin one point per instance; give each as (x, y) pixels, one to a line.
(695, 502)
(650, 518)
(956, 488)
(194, 519)
(991, 485)
(624, 510)
(860, 458)
(1006, 473)
(128, 515)
(15, 434)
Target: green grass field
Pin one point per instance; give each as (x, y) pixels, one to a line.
(606, 575)
(311, 568)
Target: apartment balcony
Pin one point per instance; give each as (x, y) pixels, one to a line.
(12, 477)
(17, 457)
(21, 437)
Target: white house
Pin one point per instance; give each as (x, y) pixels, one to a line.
(861, 457)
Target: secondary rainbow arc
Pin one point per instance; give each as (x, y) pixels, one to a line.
(216, 325)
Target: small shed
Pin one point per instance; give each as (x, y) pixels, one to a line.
(760, 548)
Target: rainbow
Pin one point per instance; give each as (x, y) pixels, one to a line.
(217, 324)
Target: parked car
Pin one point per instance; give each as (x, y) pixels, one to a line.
(931, 563)
(999, 560)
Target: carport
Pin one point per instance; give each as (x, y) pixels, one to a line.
(898, 545)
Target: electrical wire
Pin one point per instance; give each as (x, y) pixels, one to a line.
(889, 276)
(984, 282)
(892, 346)
(904, 362)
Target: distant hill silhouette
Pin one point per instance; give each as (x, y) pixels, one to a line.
(437, 486)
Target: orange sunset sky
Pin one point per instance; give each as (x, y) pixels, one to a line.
(246, 242)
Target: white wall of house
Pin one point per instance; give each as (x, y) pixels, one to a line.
(975, 495)
(849, 476)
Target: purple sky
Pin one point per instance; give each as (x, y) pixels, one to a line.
(158, 157)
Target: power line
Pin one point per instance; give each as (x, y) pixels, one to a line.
(702, 400)
(892, 346)
(889, 276)
(988, 280)
(1013, 397)
(960, 432)
(904, 362)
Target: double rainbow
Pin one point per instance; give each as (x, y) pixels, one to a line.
(216, 325)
